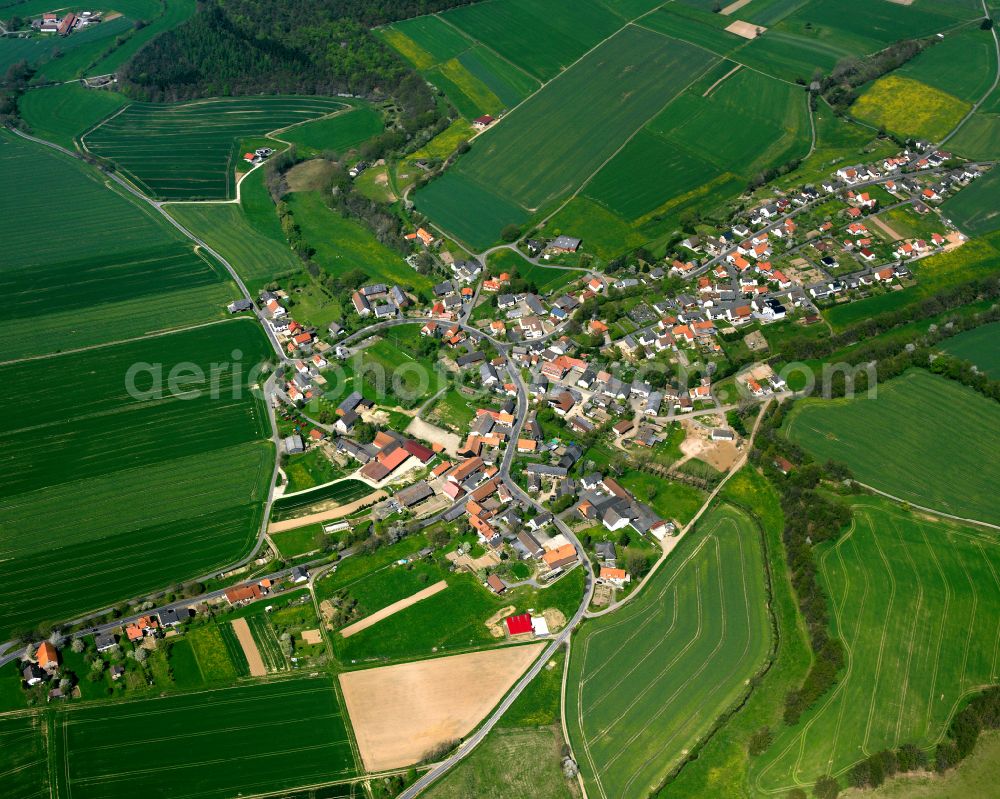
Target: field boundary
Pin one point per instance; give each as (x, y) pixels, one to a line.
(394, 608)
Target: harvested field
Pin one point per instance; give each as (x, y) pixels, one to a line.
(732, 8)
(745, 29)
(389, 610)
(245, 637)
(326, 515)
(312, 636)
(400, 713)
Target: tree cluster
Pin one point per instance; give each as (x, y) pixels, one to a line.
(849, 73)
(810, 518)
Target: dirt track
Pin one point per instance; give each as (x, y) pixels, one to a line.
(326, 515)
(400, 713)
(249, 647)
(395, 607)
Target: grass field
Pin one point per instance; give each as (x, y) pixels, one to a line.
(342, 244)
(981, 346)
(545, 149)
(916, 604)
(648, 680)
(909, 108)
(338, 133)
(61, 113)
(962, 65)
(299, 737)
(24, 771)
(975, 210)
(453, 409)
(669, 499)
(541, 41)
(689, 144)
(545, 278)
(189, 150)
(95, 480)
(918, 428)
(106, 268)
(230, 229)
(77, 51)
(722, 767)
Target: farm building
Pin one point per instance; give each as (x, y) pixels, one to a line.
(519, 625)
(414, 494)
(496, 584)
(47, 656)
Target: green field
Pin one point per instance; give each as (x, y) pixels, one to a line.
(671, 500)
(647, 681)
(77, 51)
(690, 143)
(95, 481)
(61, 113)
(342, 244)
(189, 150)
(342, 492)
(104, 269)
(962, 65)
(292, 733)
(546, 149)
(926, 439)
(915, 603)
(24, 772)
(975, 210)
(338, 133)
(233, 231)
(542, 41)
(545, 278)
(980, 345)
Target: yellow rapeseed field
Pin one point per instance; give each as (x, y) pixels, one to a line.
(910, 108)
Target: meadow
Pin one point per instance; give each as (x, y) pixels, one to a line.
(62, 113)
(337, 133)
(189, 150)
(96, 480)
(671, 500)
(24, 772)
(342, 244)
(648, 680)
(909, 108)
(899, 442)
(105, 269)
(915, 602)
(980, 345)
(975, 210)
(299, 737)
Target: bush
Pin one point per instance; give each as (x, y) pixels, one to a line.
(826, 788)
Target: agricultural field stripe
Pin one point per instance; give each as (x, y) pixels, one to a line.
(246, 639)
(395, 607)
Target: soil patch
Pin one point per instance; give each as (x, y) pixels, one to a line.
(732, 8)
(395, 607)
(420, 428)
(309, 175)
(745, 29)
(401, 713)
(555, 619)
(312, 636)
(493, 623)
(245, 638)
(886, 228)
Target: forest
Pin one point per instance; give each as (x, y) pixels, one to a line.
(232, 47)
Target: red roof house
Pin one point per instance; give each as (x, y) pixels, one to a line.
(518, 625)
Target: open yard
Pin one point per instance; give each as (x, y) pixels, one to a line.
(189, 150)
(105, 270)
(925, 439)
(293, 734)
(95, 480)
(648, 680)
(400, 713)
(916, 604)
(545, 149)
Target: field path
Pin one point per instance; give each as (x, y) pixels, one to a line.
(392, 609)
(245, 637)
(711, 88)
